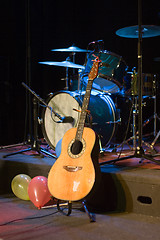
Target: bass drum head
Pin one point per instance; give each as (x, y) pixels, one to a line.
(62, 103)
(65, 103)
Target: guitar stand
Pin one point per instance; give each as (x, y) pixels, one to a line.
(90, 215)
(69, 207)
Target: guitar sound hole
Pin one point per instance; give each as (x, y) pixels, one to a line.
(76, 147)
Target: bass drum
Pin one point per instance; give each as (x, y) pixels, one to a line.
(66, 103)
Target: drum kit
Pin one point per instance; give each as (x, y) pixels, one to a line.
(114, 95)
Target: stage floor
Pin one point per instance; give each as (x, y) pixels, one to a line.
(20, 220)
(126, 204)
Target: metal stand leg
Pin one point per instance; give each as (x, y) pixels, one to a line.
(154, 117)
(134, 123)
(90, 215)
(69, 203)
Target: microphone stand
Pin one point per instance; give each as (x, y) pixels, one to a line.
(35, 144)
(139, 151)
(32, 140)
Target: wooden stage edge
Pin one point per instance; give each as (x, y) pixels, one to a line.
(130, 185)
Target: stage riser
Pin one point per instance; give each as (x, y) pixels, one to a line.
(121, 189)
(21, 164)
(128, 191)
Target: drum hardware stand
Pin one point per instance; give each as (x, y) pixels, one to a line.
(35, 145)
(72, 54)
(66, 79)
(154, 117)
(139, 152)
(135, 132)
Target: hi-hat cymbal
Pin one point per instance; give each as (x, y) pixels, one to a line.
(66, 64)
(70, 49)
(132, 31)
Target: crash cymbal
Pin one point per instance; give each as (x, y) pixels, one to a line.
(70, 49)
(66, 64)
(132, 31)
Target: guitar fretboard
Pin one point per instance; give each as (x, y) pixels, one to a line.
(84, 110)
(92, 75)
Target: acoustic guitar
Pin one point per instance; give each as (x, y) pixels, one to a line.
(73, 175)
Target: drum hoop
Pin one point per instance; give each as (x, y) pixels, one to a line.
(106, 52)
(110, 79)
(112, 105)
(106, 77)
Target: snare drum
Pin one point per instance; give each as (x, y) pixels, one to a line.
(148, 84)
(110, 73)
(66, 103)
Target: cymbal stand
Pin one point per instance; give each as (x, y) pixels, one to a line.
(67, 79)
(135, 111)
(154, 117)
(73, 57)
(135, 131)
(155, 133)
(35, 144)
(139, 152)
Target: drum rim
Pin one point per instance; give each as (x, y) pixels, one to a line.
(121, 60)
(106, 77)
(108, 53)
(113, 107)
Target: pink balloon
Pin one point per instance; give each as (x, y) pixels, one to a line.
(38, 191)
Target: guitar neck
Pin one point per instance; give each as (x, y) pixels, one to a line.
(84, 110)
(92, 75)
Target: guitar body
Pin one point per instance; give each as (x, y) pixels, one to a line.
(72, 176)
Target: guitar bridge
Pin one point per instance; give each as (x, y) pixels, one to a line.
(72, 168)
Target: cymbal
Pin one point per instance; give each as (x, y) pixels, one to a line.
(70, 49)
(132, 31)
(66, 64)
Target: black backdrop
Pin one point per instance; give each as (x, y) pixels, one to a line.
(59, 24)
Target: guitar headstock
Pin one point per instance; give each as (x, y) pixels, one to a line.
(94, 70)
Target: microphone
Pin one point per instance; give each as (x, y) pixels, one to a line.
(97, 45)
(67, 119)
